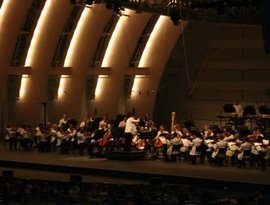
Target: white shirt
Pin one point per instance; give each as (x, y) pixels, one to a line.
(62, 121)
(161, 137)
(238, 109)
(82, 125)
(131, 125)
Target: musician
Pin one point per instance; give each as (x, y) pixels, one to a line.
(25, 136)
(257, 148)
(244, 147)
(81, 139)
(103, 123)
(238, 115)
(220, 144)
(72, 138)
(177, 130)
(196, 148)
(53, 136)
(62, 140)
(174, 142)
(238, 108)
(41, 138)
(228, 134)
(161, 141)
(11, 136)
(84, 123)
(130, 131)
(122, 124)
(63, 121)
(207, 132)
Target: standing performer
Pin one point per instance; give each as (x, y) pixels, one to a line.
(130, 131)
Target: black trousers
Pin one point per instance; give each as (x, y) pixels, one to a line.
(128, 138)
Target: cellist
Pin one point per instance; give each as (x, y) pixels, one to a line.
(160, 141)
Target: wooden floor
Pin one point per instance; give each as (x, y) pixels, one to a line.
(140, 170)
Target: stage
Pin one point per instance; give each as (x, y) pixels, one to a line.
(168, 172)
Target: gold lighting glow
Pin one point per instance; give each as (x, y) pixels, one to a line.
(62, 90)
(34, 44)
(23, 87)
(100, 84)
(4, 9)
(76, 36)
(38, 31)
(108, 57)
(147, 52)
(72, 48)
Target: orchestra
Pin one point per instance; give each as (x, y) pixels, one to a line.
(98, 136)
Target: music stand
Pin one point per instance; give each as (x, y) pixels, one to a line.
(264, 110)
(229, 108)
(249, 110)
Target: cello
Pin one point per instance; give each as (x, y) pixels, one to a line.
(105, 139)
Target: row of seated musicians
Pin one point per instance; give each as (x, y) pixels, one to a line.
(160, 144)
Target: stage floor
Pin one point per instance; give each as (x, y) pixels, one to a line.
(140, 170)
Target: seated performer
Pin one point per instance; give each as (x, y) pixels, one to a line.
(160, 141)
(221, 144)
(63, 122)
(25, 137)
(11, 136)
(196, 149)
(207, 132)
(81, 140)
(244, 151)
(103, 123)
(122, 124)
(174, 142)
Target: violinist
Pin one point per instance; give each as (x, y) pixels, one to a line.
(72, 138)
(197, 145)
(81, 139)
(53, 137)
(25, 136)
(257, 148)
(207, 132)
(185, 141)
(174, 141)
(122, 124)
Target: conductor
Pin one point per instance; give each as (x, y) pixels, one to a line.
(130, 131)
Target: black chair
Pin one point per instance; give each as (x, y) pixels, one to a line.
(221, 156)
(246, 158)
(175, 152)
